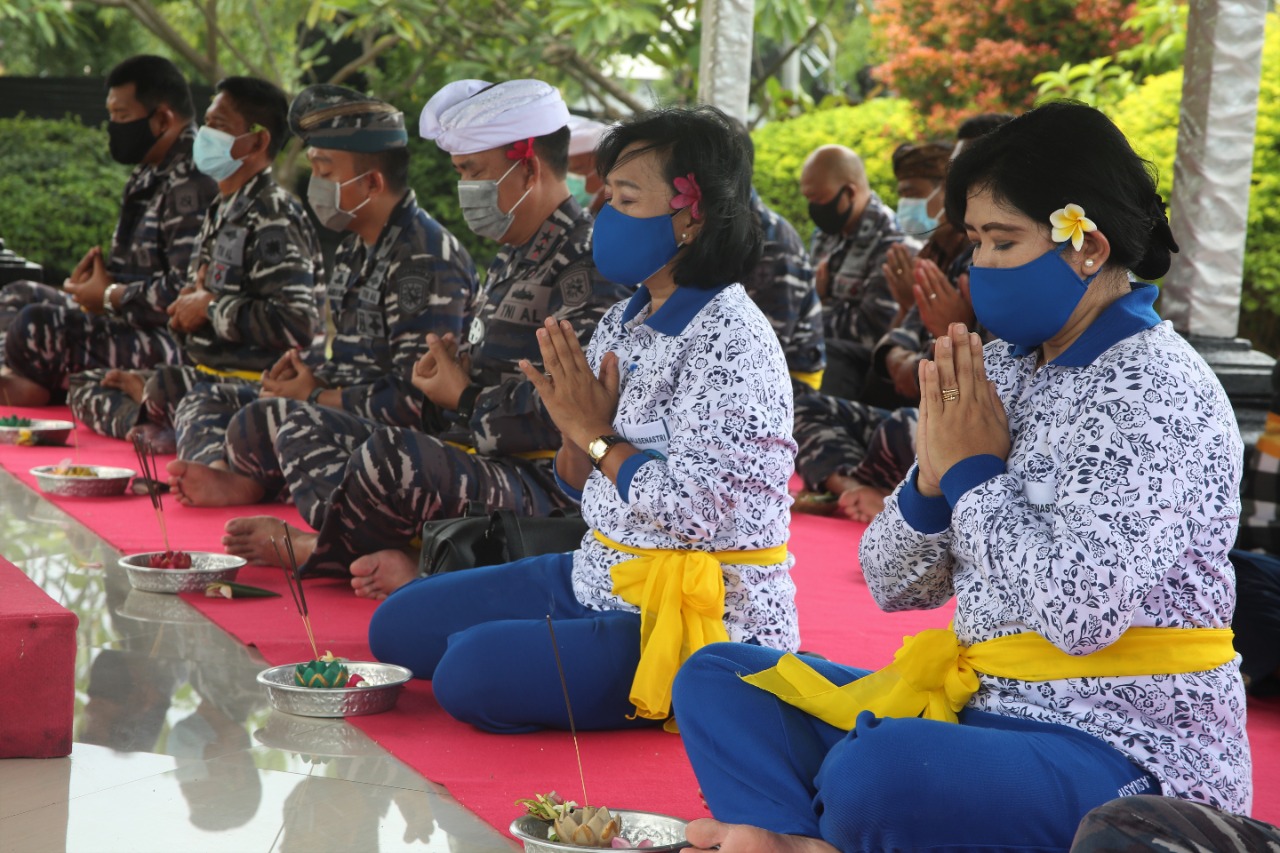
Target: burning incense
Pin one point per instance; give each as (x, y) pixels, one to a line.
(573, 729)
(148, 467)
(294, 579)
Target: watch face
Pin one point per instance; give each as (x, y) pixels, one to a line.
(597, 448)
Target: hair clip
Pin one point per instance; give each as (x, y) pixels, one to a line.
(688, 194)
(1070, 223)
(521, 149)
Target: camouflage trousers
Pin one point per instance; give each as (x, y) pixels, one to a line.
(400, 479)
(874, 446)
(295, 449)
(1139, 824)
(203, 416)
(112, 412)
(48, 338)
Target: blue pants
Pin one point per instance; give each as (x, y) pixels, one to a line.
(991, 782)
(481, 636)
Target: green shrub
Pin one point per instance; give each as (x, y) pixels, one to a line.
(61, 191)
(1149, 117)
(873, 129)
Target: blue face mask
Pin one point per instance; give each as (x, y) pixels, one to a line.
(212, 153)
(1028, 304)
(628, 250)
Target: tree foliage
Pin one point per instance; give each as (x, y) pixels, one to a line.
(953, 58)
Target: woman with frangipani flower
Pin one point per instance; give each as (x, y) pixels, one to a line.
(1076, 491)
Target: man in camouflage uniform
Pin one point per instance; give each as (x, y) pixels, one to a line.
(782, 287)
(113, 310)
(1171, 825)
(253, 292)
(487, 437)
(855, 231)
(398, 277)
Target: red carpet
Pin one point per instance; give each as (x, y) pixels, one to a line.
(486, 773)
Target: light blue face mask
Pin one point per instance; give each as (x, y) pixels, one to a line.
(578, 189)
(212, 152)
(914, 218)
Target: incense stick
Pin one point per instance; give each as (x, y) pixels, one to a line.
(148, 466)
(294, 581)
(573, 729)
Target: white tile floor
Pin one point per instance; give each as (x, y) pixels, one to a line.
(176, 747)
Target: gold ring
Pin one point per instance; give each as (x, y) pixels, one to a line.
(933, 296)
(950, 395)
(899, 270)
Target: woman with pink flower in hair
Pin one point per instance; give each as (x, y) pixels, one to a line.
(1076, 491)
(677, 442)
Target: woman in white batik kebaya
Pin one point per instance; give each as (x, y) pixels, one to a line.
(677, 440)
(1076, 490)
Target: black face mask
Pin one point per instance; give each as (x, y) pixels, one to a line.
(828, 216)
(131, 140)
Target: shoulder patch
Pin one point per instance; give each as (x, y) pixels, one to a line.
(413, 286)
(575, 284)
(272, 244)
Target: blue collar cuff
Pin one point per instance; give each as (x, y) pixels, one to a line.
(677, 312)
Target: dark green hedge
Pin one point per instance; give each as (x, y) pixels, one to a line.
(59, 191)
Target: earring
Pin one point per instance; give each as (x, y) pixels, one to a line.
(1088, 262)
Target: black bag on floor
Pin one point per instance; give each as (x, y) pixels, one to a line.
(487, 539)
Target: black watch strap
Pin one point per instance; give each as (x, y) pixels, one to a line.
(467, 401)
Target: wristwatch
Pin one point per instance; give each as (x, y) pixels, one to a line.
(598, 448)
(107, 305)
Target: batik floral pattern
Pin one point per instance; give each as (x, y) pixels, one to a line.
(1118, 508)
(721, 393)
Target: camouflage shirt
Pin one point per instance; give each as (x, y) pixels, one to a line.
(160, 216)
(860, 307)
(263, 264)
(550, 275)
(384, 300)
(782, 286)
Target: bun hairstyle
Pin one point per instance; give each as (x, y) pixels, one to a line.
(707, 143)
(1069, 153)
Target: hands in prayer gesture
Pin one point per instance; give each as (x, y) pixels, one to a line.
(441, 374)
(940, 303)
(581, 404)
(960, 411)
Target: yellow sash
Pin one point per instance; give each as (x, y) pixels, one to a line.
(681, 599)
(933, 675)
(813, 380)
(230, 374)
(532, 454)
(1269, 441)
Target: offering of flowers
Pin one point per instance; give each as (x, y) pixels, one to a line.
(325, 672)
(65, 468)
(14, 421)
(585, 826)
(169, 560)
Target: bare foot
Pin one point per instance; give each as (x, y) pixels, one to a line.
(163, 441)
(863, 503)
(205, 485)
(379, 574)
(250, 537)
(126, 381)
(705, 833)
(18, 390)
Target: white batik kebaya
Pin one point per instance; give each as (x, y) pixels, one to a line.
(706, 394)
(1117, 507)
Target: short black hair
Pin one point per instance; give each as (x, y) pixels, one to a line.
(261, 103)
(553, 150)
(981, 125)
(704, 142)
(392, 164)
(1069, 153)
(155, 81)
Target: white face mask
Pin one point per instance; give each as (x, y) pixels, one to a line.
(479, 202)
(325, 197)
